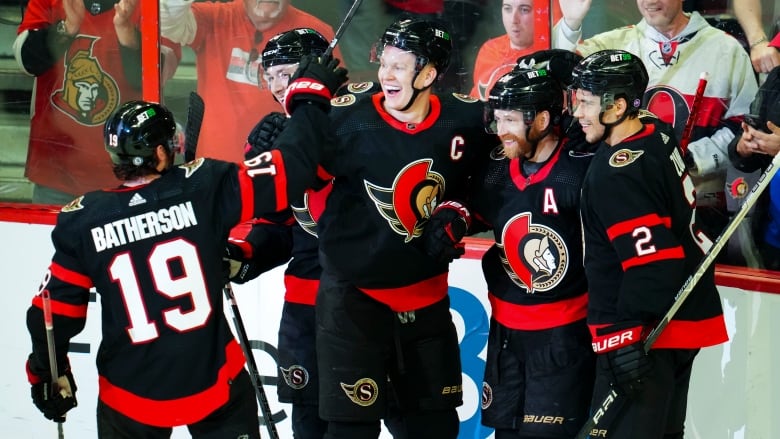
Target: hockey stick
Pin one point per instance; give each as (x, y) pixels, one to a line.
(254, 374)
(685, 138)
(342, 27)
(195, 110)
(614, 398)
(48, 322)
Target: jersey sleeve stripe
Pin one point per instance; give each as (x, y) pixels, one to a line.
(660, 255)
(70, 276)
(247, 194)
(280, 180)
(628, 226)
(62, 308)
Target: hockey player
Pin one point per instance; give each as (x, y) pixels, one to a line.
(382, 307)
(152, 248)
(642, 241)
(540, 366)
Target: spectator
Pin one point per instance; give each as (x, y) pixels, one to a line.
(753, 150)
(641, 244)
(675, 47)
(382, 309)
(521, 18)
(85, 63)
(539, 356)
(167, 356)
(763, 56)
(227, 39)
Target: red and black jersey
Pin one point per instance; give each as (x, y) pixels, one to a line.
(389, 176)
(154, 255)
(642, 241)
(534, 272)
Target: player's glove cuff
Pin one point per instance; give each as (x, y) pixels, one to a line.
(616, 336)
(306, 90)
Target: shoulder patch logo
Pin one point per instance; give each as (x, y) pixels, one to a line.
(296, 376)
(624, 157)
(487, 395)
(359, 87)
(497, 153)
(73, 205)
(191, 167)
(465, 98)
(363, 393)
(343, 100)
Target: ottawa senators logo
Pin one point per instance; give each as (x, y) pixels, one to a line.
(191, 167)
(363, 393)
(487, 395)
(534, 256)
(311, 211)
(624, 157)
(295, 376)
(408, 204)
(73, 205)
(738, 188)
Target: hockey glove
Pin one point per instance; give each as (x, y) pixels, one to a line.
(53, 404)
(315, 82)
(263, 135)
(237, 267)
(623, 346)
(447, 225)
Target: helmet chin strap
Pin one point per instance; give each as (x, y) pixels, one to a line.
(608, 125)
(415, 91)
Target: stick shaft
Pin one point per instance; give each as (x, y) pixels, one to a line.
(48, 322)
(614, 398)
(685, 138)
(254, 374)
(342, 27)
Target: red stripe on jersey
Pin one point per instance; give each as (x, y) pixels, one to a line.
(522, 181)
(62, 309)
(628, 226)
(408, 128)
(180, 411)
(542, 316)
(658, 255)
(411, 297)
(280, 180)
(686, 334)
(70, 276)
(247, 191)
(300, 290)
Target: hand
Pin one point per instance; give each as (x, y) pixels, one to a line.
(574, 12)
(764, 57)
(52, 404)
(630, 365)
(237, 266)
(315, 81)
(123, 24)
(74, 15)
(263, 135)
(447, 225)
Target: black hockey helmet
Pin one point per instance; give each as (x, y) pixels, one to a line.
(528, 91)
(430, 41)
(612, 74)
(766, 104)
(558, 62)
(132, 133)
(290, 46)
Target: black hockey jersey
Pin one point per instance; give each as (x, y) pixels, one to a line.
(642, 241)
(389, 176)
(154, 254)
(534, 272)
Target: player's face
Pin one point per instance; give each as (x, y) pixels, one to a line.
(587, 108)
(661, 14)
(396, 74)
(518, 18)
(277, 78)
(511, 129)
(265, 13)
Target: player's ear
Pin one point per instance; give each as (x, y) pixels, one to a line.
(430, 74)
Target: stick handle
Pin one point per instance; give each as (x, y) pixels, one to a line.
(685, 138)
(48, 323)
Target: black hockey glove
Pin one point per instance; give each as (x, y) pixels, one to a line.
(623, 346)
(263, 135)
(315, 82)
(446, 227)
(237, 267)
(52, 404)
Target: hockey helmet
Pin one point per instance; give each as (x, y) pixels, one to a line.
(290, 46)
(132, 133)
(527, 91)
(429, 41)
(558, 62)
(612, 74)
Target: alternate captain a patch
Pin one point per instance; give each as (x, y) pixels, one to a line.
(624, 157)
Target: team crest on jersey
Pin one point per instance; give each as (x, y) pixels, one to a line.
(487, 395)
(73, 205)
(464, 98)
(191, 167)
(363, 393)
(343, 100)
(534, 256)
(497, 153)
(738, 188)
(296, 376)
(624, 157)
(359, 87)
(408, 204)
